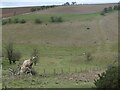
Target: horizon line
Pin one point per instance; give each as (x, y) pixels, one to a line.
(54, 4)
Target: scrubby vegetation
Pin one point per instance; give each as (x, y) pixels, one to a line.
(71, 53)
(11, 54)
(23, 21)
(109, 9)
(42, 8)
(38, 21)
(56, 19)
(109, 79)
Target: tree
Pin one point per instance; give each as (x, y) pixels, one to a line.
(67, 3)
(109, 79)
(35, 54)
(11, 53)
(73, 3)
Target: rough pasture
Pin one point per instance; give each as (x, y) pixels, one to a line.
(62, 47)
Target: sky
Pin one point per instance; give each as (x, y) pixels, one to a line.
(20, 3)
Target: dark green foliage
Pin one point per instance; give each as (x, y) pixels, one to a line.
(56, 19)
(73, 3)
(38, 21)
(110, 9)
(106, 10)
(67, 3)
(52, 19)
(39, 8)
(59, 19)
(16, 20)
(115, 7)
(102, 13)
(9, 20)
(118, 7)
(4, 22)
(109, 78)
(33, 9)
(22, 21)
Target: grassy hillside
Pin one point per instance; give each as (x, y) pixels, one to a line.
(61, 46)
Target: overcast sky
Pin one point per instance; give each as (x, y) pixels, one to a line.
(19, 3)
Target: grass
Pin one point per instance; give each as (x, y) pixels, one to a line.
(61, 46)
(66, 17)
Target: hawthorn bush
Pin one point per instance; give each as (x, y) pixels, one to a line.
(109, 79)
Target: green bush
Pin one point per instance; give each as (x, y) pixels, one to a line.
(4, 22)
(38, 21)
(39, 8)
(16, 20)
(11, 53)
(33, 9)
(22, 21)
(102, 13)
(56, 19)
(115, 7)
(109, 78)
(9, 20)
(106, 10)
(110, 9)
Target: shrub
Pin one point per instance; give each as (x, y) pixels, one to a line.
(56, 19)
(22, 21)
(38, 21)
(16, 20)
(109, 79)
(33, 9)
(106, 10)
(9, 20)
(102, 13)
(38, 8)
(59, 19)
(110, 8)
(11, 53)
(115, 7)
(16, 56)
(52, 19)
(4, 22)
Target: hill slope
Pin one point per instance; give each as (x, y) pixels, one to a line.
(77, 9)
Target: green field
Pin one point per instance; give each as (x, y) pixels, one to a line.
(61, 47)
